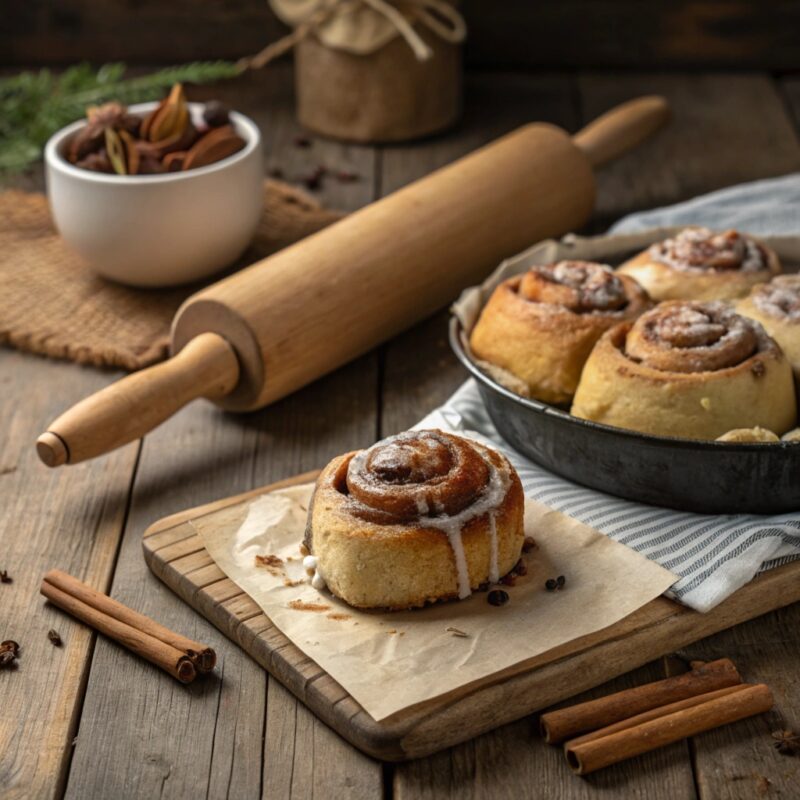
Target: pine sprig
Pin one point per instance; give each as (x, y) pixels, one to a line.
(34, 105)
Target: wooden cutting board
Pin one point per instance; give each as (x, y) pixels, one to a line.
(175, 553)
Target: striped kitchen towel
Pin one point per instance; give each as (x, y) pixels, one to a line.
(713, 555)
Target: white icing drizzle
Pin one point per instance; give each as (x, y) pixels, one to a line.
(431, 517)
(494, 572)
(457, 544)
(312, 568)
(318, 582)
(491, 497)
(310, 563)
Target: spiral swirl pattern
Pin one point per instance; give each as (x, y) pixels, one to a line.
(700, 249)
(682, 336)
(417, 474)
(780, 297)
(580, 286)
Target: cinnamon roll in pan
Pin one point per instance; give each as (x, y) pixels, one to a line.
(699, 264)
(688, 369)
(541, 326)
(776, 305)
(417, 518)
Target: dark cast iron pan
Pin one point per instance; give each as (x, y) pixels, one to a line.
(684, 474)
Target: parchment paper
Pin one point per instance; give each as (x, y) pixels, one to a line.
(389, 661)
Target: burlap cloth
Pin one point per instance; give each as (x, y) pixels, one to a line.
(52, 304)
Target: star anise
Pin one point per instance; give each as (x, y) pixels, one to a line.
(787, 743)
(91, 137)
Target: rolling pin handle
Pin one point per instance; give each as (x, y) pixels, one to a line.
(128, 409)
(622, 128)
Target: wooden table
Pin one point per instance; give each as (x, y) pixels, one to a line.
(89, 720)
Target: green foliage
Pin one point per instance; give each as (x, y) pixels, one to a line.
(34, 105)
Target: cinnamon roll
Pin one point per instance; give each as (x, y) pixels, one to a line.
(541, 326)
(688, 369)
(776, 305)
(418, 517)
(699, 264)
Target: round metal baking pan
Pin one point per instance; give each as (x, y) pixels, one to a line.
(684, 474)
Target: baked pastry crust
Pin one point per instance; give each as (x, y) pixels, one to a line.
(776, 305)
(688, 369)
(541, 326)
(699, 264)
(417, 518)
(751, 435)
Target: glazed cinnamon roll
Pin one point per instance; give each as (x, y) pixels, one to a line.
(688, 369)
(776, 305)
(418, 517)
(541, 326)
(699, 264)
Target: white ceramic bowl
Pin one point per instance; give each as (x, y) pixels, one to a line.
(158, 230)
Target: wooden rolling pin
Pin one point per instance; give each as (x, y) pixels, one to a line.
(279, 324)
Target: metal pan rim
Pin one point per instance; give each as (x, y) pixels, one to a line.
(455, 332)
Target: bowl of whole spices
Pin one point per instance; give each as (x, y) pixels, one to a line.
(157, 194)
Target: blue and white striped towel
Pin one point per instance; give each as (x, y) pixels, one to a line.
(713, 555)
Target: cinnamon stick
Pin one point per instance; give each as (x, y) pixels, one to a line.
(603, 748)
(655, 713)
(558, 726)
(202, 656)
(103, 614)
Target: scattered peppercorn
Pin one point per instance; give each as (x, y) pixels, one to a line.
(560, 581)
(521, 568)
(528, 544)
(313, 181)
(9, 650)
(216, 114)
(302, 141)
(5, 577)
(550, 584)
(497, 597)
(54, 637)
(508, 580)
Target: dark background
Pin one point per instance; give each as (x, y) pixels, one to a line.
(636, 34)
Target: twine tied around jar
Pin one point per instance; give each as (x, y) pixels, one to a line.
(361, 26)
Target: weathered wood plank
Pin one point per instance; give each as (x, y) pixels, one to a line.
(67, 519)
(739, 761)
(169, 740)
(302, 758)
(726, 129)
(513, 761)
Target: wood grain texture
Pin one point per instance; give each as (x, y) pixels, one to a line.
(513, 761)
(725, 129)
(740, 761)
(206, 739)
(48, 520)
